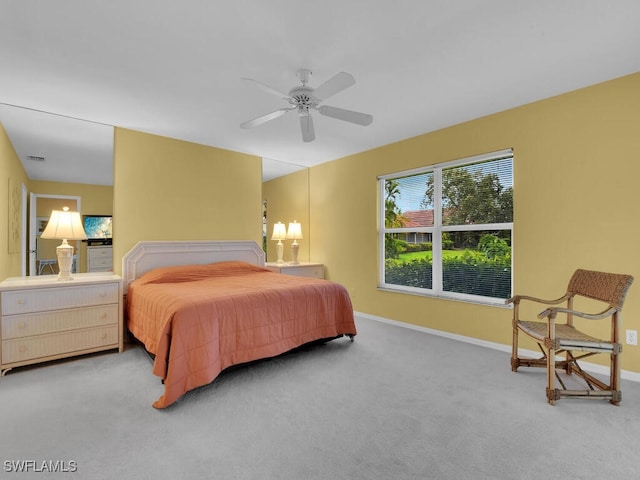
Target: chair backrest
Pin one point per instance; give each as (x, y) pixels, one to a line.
(610, 288)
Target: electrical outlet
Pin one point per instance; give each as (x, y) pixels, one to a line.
(632, 337)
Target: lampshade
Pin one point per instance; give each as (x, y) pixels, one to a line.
(64, 224)
(279, 231)
(295, 231)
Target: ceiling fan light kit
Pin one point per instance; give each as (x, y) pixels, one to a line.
(304, 98)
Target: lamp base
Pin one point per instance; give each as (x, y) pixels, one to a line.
(64, 251)
(295, 246)
(280, 250)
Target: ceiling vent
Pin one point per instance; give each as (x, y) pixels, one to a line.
(35, 158)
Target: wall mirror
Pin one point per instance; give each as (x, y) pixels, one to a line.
(286, 199)
(60, 149)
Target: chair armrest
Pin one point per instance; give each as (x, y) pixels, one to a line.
(552, 312)
(518, 298)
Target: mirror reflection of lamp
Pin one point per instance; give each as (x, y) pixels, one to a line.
(294, 232)
(279, 233)
(64, 225)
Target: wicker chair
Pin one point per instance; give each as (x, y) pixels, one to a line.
(563, 338)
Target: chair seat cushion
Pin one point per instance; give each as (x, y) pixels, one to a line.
(566, 336)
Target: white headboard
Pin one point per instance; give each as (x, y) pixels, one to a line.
(147, 255)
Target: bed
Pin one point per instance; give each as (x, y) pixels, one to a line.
(201, 307)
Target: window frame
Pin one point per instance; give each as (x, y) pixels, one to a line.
(437, 230)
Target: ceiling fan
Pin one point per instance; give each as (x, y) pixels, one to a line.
(304, 99)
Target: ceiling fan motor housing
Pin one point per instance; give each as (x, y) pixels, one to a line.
(302, 98)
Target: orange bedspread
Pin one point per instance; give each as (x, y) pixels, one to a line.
(198, 320)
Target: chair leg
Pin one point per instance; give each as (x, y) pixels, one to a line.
(515, 363)
(615, 380)
(551, 375)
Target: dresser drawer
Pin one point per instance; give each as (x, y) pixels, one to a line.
(102, 262)
(22, 349)
(107, 268)
(100, 252)
(44, 299)
(313, 271)
(15, 326)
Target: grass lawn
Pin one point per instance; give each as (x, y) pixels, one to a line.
(428, 255)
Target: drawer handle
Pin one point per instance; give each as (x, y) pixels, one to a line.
(22, 348)
(22, 325)
(104, 336)
(21, 301)
(103, 316)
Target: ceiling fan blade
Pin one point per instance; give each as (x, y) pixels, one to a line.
(358, 118)
(267, 88)
(335, 84)
(264, 118)
(306, 125)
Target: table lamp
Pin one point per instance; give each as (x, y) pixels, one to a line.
(64, 225)
(279, 233)
(294, 232)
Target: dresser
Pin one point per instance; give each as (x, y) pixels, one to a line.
(303, 269)
(44, 318)
(100, 258)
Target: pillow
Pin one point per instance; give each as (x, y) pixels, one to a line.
(191, 273)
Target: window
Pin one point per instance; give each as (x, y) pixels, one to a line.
(447, 229)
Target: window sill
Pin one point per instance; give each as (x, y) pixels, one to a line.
(484, 301)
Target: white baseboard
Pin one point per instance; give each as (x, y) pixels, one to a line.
(591, 367)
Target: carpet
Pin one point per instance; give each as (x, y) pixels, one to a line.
(395, 404)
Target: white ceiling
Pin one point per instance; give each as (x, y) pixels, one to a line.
(174, 69)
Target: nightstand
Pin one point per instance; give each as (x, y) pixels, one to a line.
(45, 319)
(303, 269)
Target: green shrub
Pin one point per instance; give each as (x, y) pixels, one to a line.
(472, 273)
(426, 247)
(494, 247)
(393, 247)
(415, 273)
(418, 247)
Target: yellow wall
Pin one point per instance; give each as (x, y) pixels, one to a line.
(166, 189)
(288, 200)
(95, 199)
(576, 168)
(12, 177)
(575, 196)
